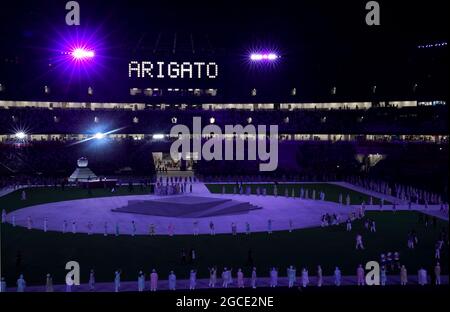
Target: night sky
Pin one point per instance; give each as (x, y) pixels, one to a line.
(323, 43)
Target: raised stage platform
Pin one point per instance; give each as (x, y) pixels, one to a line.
(187, 207)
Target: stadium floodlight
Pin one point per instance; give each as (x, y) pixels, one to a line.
(158, 136)
(264, 56)
(256, 57)
(99, 136)
(82, 54)
(21, 135)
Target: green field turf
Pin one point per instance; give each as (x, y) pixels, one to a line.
(331, 191)
(42, 195)
(48, 252)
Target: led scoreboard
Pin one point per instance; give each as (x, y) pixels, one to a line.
(173, 70)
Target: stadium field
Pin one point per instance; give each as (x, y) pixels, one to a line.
(331, 191)
(36, 253)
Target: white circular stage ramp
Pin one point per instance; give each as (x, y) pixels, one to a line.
(179, 212)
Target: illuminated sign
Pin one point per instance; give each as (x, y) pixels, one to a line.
(173, 70)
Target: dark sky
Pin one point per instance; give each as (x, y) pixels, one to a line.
(291, 22)
(323, 43)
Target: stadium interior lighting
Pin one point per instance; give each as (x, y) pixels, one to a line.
(20, 135)
(99, 136)
(263, 57)
(81, 54)
(158, 136)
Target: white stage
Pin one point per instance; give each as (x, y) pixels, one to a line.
(303, 213)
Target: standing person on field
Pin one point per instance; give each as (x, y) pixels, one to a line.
(337, 277)
(422, 277)
(91, 280)
(437, 274)
(141, 281)
(192, 279)
(383, 276)
(21, 283)
(305, 277)
(360, 275)
(291, 273)
(172, 281)
(359, 242)
(319, 276)
(153, 280)
(240, 279)
(253, 278)
(273, 277)
(212, 277)
(117, 281)
(403, 276)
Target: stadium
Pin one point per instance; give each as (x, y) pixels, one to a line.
(130, 144)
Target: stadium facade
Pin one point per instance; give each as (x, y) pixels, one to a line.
(340, 107)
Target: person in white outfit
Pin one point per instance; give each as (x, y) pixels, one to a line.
(141, 281)
(273, 277)
(422, 277)
(192, 279)
(359, 242)
(305, 277)
(117, 281)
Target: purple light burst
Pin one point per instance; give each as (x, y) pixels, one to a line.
(82, 54)
(264, 57)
